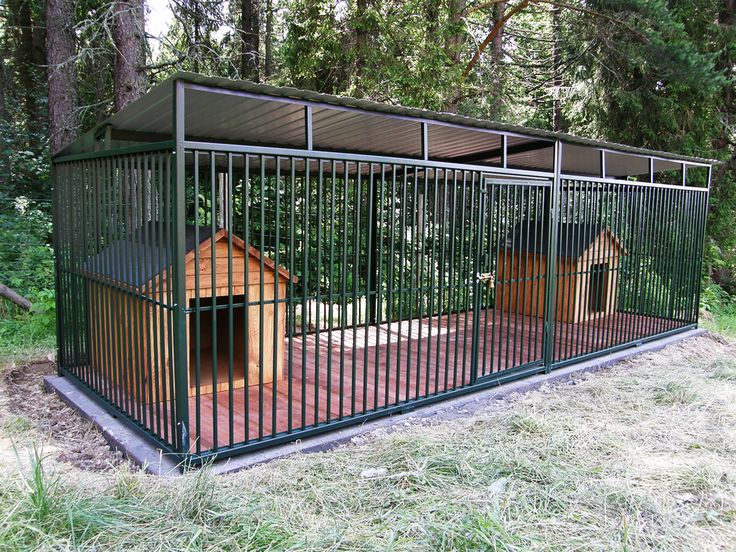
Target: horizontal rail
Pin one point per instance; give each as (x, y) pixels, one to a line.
(632, 183)
(354, 158)
(164, 146)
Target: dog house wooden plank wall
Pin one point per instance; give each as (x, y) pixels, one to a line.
(134, 311)
(240, 265)
(587, 271)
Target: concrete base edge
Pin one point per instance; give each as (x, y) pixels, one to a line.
(120, 436)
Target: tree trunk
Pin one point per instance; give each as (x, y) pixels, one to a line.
(129, 38)
(361, 39)
(250, 19)
(454, 42)
(499, 10)
(28, 62)
(4, 161)
(556, 69)
(15, 298)
(268, 69)
(432, 15)
(456, 32)
(63, 96)
(3, 84)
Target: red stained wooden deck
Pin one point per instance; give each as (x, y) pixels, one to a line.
(339, 373)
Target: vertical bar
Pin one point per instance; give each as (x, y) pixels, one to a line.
(228, 203)
(247, 299)
(261, 291)
(651, 170)
(602, 162)
(309, 136)
(197, 313)
(214, 202)
(425, 142)
(291, 307)
(331, 289)
(179, 277)
(370, 264)
(276, 296)
(551, 287)
(379, 247)
(504, 151)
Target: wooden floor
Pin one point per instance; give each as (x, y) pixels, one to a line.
(336, 374)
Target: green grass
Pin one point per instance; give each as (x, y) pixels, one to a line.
(611, 463)
(673, 394)
(721, 320)
(25, 336)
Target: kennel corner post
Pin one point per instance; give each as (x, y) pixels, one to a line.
(57, 264)
(551, 268)
(178, 275)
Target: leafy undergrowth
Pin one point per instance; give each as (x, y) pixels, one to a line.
(640, 456)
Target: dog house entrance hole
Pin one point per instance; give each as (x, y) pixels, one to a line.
(598, 290)
(224, 337)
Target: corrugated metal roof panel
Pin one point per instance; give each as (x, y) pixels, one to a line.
(221, 118)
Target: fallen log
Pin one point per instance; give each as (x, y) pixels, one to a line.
(15, 298)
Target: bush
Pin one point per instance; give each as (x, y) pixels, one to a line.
(27, 266)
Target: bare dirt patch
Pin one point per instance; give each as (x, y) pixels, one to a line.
(29, 413)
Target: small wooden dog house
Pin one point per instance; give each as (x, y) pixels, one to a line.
(587, 271)
(140, 362)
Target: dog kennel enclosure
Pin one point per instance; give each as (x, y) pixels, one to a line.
(240, 265)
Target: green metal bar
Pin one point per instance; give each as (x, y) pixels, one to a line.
(246, 294)
(179, 277)
(551, 271)
(213, 295)
(421, 230)
(331, 288)
(318, 285)
(276, 295)
(291, 307)
(379, 318)
(197, 312)
(261, 288)
(433, 312)
(228, 203)
(370, 280)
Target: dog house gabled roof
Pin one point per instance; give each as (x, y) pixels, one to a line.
(145, 244)
(573, 239)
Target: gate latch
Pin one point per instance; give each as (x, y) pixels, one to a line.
(487, 277)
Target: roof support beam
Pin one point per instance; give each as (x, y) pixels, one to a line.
(603, 163)
(504, 151)
(308, 134)
(425, 142)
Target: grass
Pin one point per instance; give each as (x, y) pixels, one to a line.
(638, 457)
(674, 393)
(25, 335)
(722, 320)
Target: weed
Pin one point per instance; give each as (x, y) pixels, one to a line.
(724, 369)
(673, 394)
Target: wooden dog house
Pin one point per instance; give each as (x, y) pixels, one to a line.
(140, 361)
(587, 271)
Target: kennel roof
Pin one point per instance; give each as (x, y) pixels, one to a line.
(229, 111)
(573, 239)
(150, 247)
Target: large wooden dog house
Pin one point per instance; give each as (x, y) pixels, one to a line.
(588, 258)
(126, 301)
